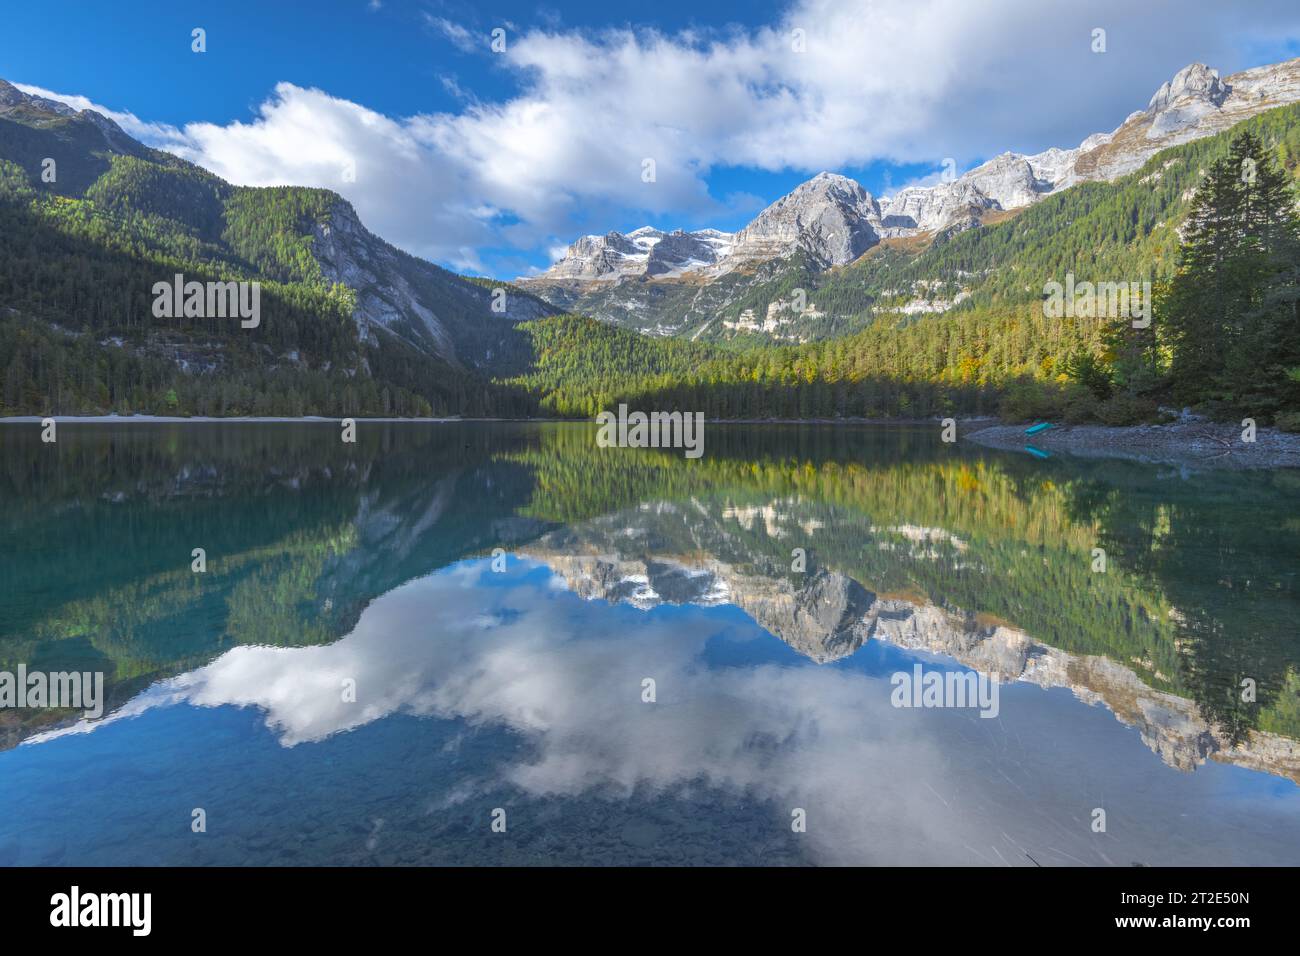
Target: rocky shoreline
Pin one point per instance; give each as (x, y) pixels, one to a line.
(1193, 444)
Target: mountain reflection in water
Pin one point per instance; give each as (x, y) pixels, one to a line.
(522, 689)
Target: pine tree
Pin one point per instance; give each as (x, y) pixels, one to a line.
(1199, 303)
(1228, 316)
(1267, 348)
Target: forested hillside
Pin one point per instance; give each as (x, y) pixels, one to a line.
(1116, 231)
(91, 220)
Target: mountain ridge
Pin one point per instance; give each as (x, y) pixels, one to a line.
(356, 256)
(1196, 102)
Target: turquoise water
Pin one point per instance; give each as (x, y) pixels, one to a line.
(397, 643)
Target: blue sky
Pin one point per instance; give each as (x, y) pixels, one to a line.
(492, 161)
(388, 58)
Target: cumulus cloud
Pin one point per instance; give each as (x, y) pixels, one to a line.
(826, 85)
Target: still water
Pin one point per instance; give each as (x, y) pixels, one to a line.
(620, 656)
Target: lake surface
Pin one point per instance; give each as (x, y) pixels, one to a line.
(621, 656)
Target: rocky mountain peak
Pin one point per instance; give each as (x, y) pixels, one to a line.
(646, 251)
(40, 111)
(12, 98)
(10, 95)
(1195, 103)
(680, 250)
(832, 186)
(830, 216)
(1196, 80)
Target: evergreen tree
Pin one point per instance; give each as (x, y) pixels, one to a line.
(1229, 314)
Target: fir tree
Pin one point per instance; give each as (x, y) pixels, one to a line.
(1229, 313)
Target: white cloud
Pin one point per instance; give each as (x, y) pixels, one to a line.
(909, 81)
(460, 37)
(410, 193)
(453, 88)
